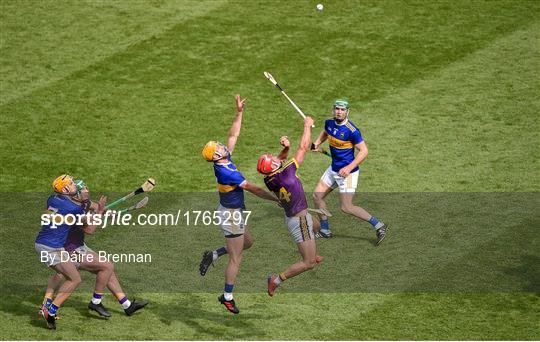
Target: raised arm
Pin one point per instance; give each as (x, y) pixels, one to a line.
(100, 209)
(259, 192)
(305, 141)
(234, 132)
(284, 141)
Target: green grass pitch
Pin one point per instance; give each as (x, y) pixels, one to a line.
(446, 96)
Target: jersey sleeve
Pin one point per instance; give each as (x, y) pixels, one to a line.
(235, 178)
(356, 137)
(62, 207)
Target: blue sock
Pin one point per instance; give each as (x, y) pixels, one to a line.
(220, 251)
(48, 302)
(227, 293)
(374, 222)
(53, 309)
(325, 225)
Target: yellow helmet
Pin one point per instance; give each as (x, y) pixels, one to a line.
(61, 182)
(210, 152)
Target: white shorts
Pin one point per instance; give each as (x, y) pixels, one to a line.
(300, 228)
(51, 256)
(232, 221)
(334, 180)
(83, 250)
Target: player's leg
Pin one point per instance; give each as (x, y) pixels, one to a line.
(248, 239)
(301, 229)
(235, 246)
(93, 265)
(209, 257)
(325, 185)
(72, 280)
(90, 261)
(347, 188)
(53, 283)
(130, 307)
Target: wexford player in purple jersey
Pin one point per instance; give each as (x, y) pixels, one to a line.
(88, 260)
(344, 138)
(231, 185)
(280, 178)
(52, 237)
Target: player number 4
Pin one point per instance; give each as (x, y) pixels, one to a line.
(284, 195)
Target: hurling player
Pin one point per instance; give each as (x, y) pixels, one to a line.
(344, 138)
(231, 185)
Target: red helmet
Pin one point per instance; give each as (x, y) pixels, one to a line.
(266, 164)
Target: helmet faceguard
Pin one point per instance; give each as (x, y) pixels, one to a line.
(267, 163)
(214, 150)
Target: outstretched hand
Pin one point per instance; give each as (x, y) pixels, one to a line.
(101, 204)
(308, 121)
(284, 141)
(239, 103)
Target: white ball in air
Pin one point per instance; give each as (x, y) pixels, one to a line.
(320, 7)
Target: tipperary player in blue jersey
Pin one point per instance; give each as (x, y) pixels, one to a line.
(231, 185)
(51, 239)
(344, 138)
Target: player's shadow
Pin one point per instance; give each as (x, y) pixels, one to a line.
(83, 310)
(527, 272)
(24, 300)
(372, 241)
(209, 323)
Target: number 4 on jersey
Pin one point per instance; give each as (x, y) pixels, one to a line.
(284, 195)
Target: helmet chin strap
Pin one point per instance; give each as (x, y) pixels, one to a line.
(221, 156)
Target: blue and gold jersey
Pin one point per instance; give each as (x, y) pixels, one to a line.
(342, 138)
(55, 237)
(229, 179)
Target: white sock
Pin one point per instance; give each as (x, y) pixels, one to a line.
(379, 225)
(228, 296)
(215, 256)
(126, 304)
(96, 301)
(277, 280)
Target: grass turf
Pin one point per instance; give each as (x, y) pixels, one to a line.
(445, 95)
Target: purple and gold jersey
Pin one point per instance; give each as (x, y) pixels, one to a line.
(74, 239)
(288, 188)
(229, 179)
(342, 138)
(55, 237)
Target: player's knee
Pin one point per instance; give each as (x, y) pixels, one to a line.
(57, 277)
(309, 264)
(75, 279)
(248, 244)
(236, 260)
(108, 266)
(346, 209)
